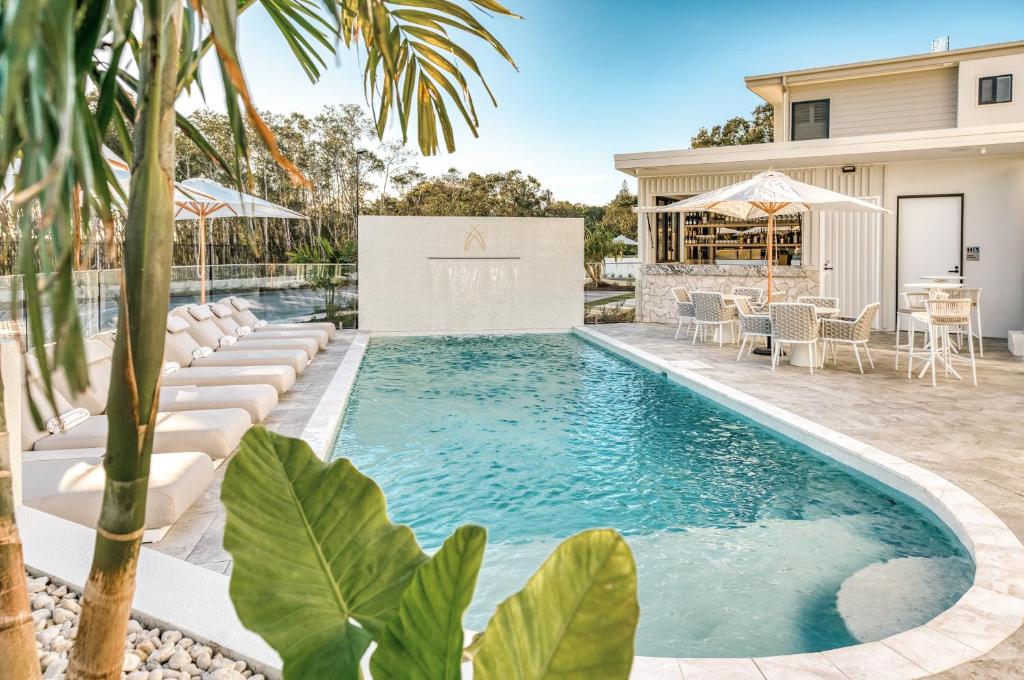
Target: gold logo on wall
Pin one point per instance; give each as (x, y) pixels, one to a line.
(474, 236)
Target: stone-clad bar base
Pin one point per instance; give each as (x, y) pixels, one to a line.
(655, 303)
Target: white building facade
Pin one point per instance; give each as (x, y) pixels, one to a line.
(936, 138)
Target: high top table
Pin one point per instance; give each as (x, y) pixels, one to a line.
(936, 285)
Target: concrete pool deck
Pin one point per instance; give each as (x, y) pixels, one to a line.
(973, 437)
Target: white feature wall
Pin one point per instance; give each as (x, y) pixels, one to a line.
(969, 112)
(470, 274)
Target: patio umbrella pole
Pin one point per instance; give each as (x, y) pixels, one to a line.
(202, 258)
(770, 209)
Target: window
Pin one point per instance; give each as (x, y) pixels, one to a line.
(995, 89)
(666, 233)
(810, 120)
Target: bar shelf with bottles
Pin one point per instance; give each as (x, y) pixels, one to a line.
(716, 239)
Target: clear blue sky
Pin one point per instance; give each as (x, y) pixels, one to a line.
(599, 77)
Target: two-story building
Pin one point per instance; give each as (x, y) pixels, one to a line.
(937, 138)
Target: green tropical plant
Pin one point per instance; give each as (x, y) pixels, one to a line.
(138, 58)
(325, 251)
(321, 572)
(599, 243)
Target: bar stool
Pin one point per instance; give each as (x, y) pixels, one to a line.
(974, 295)
(913, 303)
(944, 318)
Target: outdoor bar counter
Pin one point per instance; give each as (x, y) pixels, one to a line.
(655, 303)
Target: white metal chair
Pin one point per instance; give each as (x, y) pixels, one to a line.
(944, 318)
(794, 323)
(852, 332)
(710, 310)
(684, 309)
(751, 326)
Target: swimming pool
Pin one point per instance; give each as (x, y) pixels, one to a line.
(746, 543)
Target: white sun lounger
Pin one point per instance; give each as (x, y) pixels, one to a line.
(244, 313)
(213, 432)
(183, 345)
(178, 348)
(257, 400)
(70, 483)
(205, 330)
(224, 318)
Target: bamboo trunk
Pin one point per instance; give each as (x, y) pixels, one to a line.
(138, 355)
(18, 657)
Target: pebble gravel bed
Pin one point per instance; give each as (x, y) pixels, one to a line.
(149, 653)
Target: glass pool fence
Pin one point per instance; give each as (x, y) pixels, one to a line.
(281, 292)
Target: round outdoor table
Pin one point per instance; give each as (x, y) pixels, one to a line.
(944, 278)
(936, 285)
(800, 355)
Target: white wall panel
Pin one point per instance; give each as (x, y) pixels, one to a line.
(470, 274)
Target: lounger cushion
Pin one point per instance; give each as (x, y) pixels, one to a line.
(243, 314)
(176, 324)
(281, 378)
(219, 310)
(318, 336)
(213, 432)
(208, 332)
(323, 327)
(72, 486)
(250, 343)
(310, 341)
(256, 400)
(295, 359)
(200, 312)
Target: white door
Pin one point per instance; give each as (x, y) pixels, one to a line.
(851, 258)
(929, 231)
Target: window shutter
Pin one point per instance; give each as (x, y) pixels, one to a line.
(810, 120)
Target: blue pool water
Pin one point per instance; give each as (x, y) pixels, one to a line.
(743, 539)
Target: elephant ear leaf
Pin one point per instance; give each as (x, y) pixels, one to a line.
(575, 619)
(314, 551)
(424, 642)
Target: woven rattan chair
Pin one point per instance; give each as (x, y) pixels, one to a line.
(974, 295)
(684, 309)
(755, 295)
(819, 301)
(946, 317)
(852, 332)
(710, 310)
(752, 325)
(794, 323)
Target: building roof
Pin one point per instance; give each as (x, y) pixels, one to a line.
(770, 86)
(918, 145)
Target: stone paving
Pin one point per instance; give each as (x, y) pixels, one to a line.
(198, 537)
(973, 436)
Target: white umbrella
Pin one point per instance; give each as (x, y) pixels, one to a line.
(202, 199)
(624, 240)
(767, 194)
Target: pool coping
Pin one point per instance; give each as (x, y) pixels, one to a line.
(989, 612)
(322, 426)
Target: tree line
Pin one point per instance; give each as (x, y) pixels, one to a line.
(350, 172)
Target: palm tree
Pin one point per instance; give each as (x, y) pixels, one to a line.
(138, 58)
